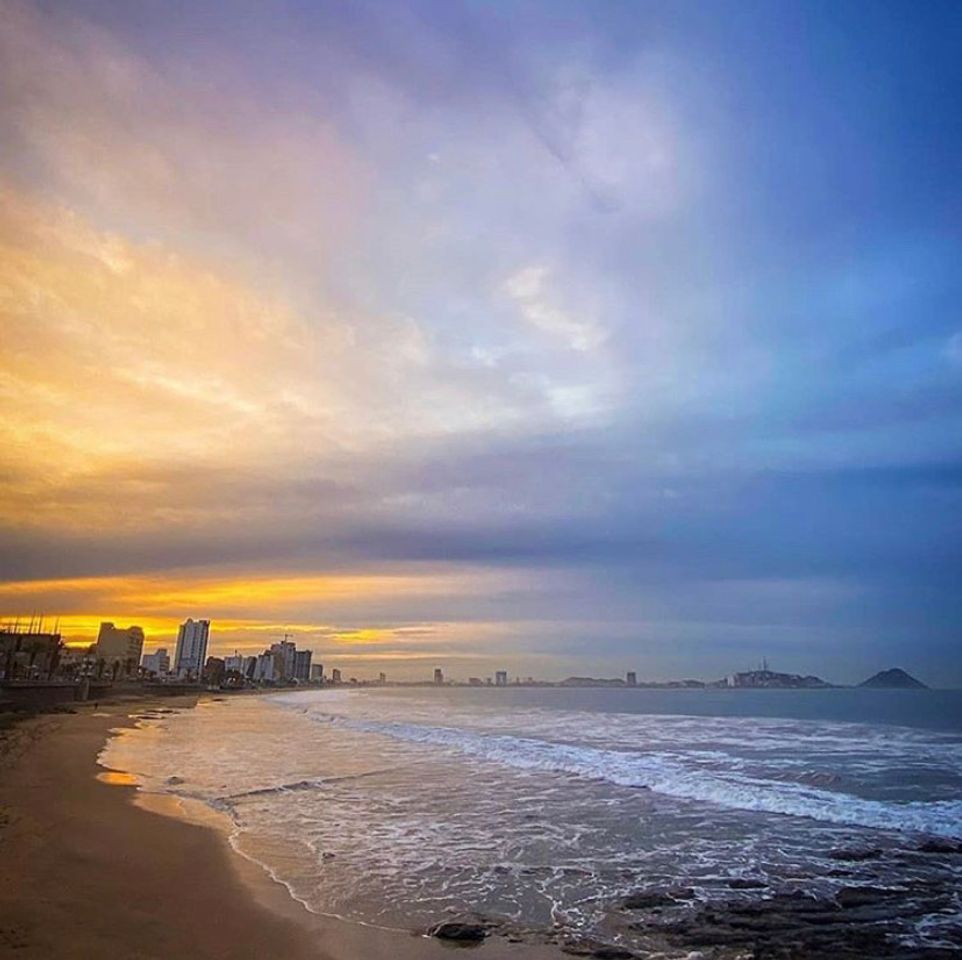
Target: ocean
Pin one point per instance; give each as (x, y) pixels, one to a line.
(546, 807)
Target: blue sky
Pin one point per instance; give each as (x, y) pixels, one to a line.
(565, 337)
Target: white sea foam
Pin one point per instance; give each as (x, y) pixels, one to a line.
(396, 807)
(673, 777)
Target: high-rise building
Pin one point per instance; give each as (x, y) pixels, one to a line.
(268, 667)
(286, 651)
(234, 663)
(157, 664)
(631, 678)
(335, 675)
(317, 672)
(120, 648)
(191, 653)
(501, 678)
(438, 676)
(302, 665)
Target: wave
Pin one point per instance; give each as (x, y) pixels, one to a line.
(315, 783)
(670, 776)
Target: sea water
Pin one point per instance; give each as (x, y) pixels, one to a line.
(545, 806)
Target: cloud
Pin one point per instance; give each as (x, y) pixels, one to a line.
(528, 288)
(543, 335)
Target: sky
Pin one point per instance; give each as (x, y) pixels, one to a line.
(565, 338)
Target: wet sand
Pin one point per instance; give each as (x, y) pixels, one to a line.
(92, 869)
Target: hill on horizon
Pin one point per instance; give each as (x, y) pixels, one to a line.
(896, 678)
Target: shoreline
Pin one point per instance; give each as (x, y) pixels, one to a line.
(97, 866)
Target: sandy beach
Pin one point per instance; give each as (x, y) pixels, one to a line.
(91, 870)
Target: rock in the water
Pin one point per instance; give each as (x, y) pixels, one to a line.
(855, 854)
(862, 896)
(746, 883)
(460, 931)
(649, 899)
(592, 948)
(940, 845)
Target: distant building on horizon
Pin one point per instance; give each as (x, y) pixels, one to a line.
(191, 653)
(157, 664)
(120, 648)
(235, 663)
(317, 672)
(438, 676)
(286, 651)
(267, 667)
(335, 675)
(631, 679)
(501, 678)
(302, 665)
(214, 671)
(382, 678)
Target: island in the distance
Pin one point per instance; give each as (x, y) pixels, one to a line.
(894, 679)
(762, 678)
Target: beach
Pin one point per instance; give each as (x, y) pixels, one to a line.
(89, 872)
(321, 826)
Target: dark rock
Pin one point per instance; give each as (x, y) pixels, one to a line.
(859, 923)
(863, 896)
(647, 899)
(651, 899)
(460, 931)
(855, 854)
(577, 948)
(592, 948)
(940, 845)
(746, 883)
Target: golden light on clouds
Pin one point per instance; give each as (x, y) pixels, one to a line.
(252, 610)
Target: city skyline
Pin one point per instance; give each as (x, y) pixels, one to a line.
(589, 334)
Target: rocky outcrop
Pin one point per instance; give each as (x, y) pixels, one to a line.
(856, 923)
(460, 931)
(940, 845)
(746, 883)
(855, 854)
(657, 897)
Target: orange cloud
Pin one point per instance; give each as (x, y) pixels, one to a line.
(249, 611)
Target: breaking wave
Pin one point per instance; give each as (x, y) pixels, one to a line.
(671, 776)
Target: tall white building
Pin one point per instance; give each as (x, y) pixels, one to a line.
(268, 668)
(235, 663)
(191, 652)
